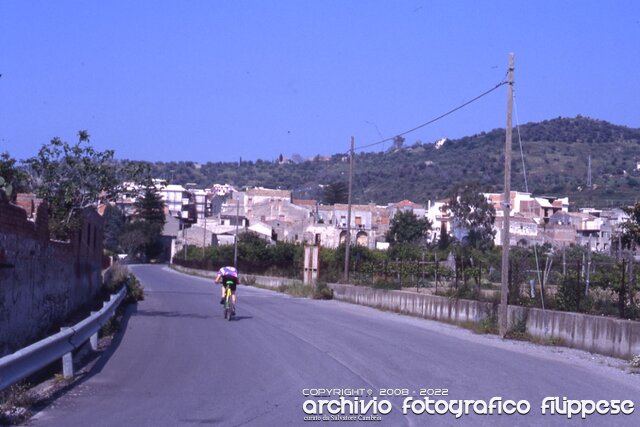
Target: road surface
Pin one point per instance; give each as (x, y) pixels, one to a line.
(178, 363)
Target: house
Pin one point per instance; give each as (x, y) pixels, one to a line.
(258, 195)
(439, 217)
(523, 230)
(177, 199)
(407, 206)
(540, 208)
(368, 225)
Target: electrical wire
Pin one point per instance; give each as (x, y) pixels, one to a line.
(459, 107)
(526, 189)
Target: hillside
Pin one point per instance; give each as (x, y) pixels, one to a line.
(556, 158)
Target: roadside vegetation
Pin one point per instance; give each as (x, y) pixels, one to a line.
(568, 279)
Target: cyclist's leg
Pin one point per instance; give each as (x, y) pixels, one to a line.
(233, 300)
(233, 292)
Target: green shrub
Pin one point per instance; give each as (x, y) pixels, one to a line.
(297, 289)
(322, 291)
(135, 291)
(249, 280)
(518, 330)
(386, 284)
(111, 327)
(117, 277)
(463, 292)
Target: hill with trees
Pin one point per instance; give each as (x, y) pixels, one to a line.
(556, 158)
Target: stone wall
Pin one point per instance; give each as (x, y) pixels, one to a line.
(42, 281)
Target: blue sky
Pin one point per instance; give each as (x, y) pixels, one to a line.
(219, 80)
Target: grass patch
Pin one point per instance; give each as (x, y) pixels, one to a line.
(518, 330)
(111, 327)
(548, 341)
(299, 289)
(386, 284)
(15, 402)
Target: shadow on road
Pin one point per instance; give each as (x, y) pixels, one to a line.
(241, 318)
(181, 292)
(156, 313)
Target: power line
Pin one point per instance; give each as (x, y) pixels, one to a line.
(459, 107)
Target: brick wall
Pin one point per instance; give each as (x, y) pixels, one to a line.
(43, 281)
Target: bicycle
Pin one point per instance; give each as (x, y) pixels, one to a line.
(229, 306)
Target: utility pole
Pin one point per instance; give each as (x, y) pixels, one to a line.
(506, 207)
(348, 237)
(588, 282)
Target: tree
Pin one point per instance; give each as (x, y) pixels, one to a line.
(150, 206)
(142, 236)
(631, 227)
(12, 178)
(406, 227)
(70, 178)
(336, 192)
(445, 240)
(474, 216)
(113, 225)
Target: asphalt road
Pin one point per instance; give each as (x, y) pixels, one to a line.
(178, 363)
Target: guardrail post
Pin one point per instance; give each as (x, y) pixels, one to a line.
(93, 340)
(67, 363)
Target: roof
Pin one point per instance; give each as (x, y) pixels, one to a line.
(405, 203)
(268, 192)
(544, 202)
(368, 208)
(305, 202)
(174, 187)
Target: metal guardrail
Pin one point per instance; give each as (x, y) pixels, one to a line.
(31, 359)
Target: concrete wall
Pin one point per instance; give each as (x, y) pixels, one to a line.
(422, 305)
(603, 335)
(41, 281)
(271, 282)
(597, 334)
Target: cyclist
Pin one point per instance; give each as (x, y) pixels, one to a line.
(227, 274)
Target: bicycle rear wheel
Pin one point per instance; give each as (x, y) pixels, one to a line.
(232, 310)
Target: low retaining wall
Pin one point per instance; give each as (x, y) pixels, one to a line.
(422, 305)
(271, 282)
(597, 334)
(603, 335)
